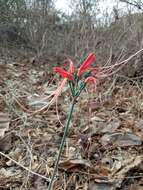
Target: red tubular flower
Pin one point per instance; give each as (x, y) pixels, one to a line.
(86, 64)
(90, 80)
(63, 73)
(71, 69)
(69, 63)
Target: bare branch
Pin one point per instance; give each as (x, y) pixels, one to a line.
(138, 4)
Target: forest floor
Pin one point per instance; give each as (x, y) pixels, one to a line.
(104, 147)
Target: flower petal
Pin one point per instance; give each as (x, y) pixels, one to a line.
(90, 80)
(71, 69)
(86, 64)
(63, 73)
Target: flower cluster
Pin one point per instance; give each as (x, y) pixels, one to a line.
(78, 79)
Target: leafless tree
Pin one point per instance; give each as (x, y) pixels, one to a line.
(138, 3)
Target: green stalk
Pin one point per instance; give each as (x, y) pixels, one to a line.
(79, 92)
(50, 187)
(72, 88)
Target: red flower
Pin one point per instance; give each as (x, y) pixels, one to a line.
(63, 73)
(86, 64)
(71, 69)
(90, 80)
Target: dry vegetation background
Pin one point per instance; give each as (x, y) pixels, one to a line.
(104, 148)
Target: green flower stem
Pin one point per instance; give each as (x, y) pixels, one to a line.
(79, 92)
(62, 145)
(72, 88)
